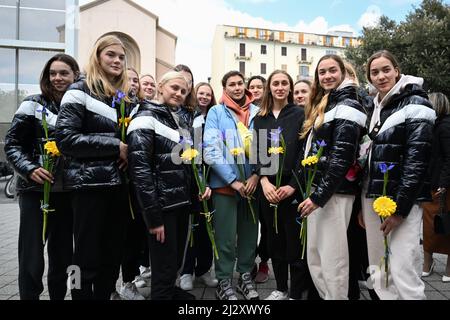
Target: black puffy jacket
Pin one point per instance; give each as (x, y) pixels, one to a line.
(160, 183)
(403, 139)
(25, 140)
(87, 133)
(343, 122)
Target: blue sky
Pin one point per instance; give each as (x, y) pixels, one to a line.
(335, 12)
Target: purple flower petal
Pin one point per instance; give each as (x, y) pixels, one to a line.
(321, 143)
(383, 167)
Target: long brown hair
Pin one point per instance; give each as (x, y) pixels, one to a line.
(318, 100)
(385, 54)
(47, 90)
(267, 99)
(96, 79)
(213, 101)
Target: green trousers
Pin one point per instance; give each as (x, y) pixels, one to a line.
(236, 235)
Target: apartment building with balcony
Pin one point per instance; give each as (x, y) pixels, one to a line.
(255, 51)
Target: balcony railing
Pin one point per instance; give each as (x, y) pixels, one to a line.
(305, 62)
(247, 56)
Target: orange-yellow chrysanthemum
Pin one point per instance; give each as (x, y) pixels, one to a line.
(384, 207)
(189, 154)
(310, 161)
(236, 151)
(52, 149)
(276, 150)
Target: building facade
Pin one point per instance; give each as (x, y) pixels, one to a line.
(260, 51)
(32, 31)
(149, 47)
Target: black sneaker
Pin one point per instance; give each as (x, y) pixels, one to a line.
(180, 294)
(245, 287)
(225, 290)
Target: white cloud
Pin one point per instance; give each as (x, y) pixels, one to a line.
(259, 1)
(194, 23)
(371, 17)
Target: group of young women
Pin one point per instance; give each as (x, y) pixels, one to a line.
(105, 182)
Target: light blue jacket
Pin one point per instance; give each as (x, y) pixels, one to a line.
(224, 169)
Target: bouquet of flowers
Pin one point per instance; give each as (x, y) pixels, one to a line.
(385, 207)
(276, 138)
(190, 155)
(310, 165)
(49, 155)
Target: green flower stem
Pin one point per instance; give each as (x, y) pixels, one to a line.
(386, 259)
(303, 233)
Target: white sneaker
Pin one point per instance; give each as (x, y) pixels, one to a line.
(128, 291)
(145, 272)
(186, 282)
(115, 296)
(278, 295)
(208, 280)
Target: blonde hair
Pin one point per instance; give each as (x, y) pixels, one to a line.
(318, 99)
(96, 78)
(171, 75)
(351, 72)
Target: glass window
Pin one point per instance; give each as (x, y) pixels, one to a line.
(242, 67)
(263, 68)
(263, 49)
(45, 4)
(8, 3)
(242, 49)
(8, 102)
(8, 21)
(41, 25)
(262, 34)
(327, 52)
(31, 63)
(304, 56)
(284, 51)
(304, 71)
(284, 67)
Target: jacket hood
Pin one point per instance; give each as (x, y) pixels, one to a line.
(408, 85)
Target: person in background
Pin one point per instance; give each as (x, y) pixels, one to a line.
(302, 90)
(335, 119)
(277, 110)
(199, 257)
(162, 183)
(148, 87)
(236, 233)
(356, 235)
(136, 233)
(440, 183)
(256, 86)
(260, 273)
(24, 143)
(88, 134)
(401, 131)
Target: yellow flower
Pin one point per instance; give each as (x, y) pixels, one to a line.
(51, 148)
(246, 136)
(189, 154)
(276, 150)
(384, 207)
(126, 120)
(310, 161)
(236, 151)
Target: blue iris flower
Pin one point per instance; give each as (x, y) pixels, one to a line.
(385, 168)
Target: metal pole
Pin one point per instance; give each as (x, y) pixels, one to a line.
(72, 27)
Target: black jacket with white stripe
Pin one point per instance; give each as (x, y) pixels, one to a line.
(404, 139)
(344, 120)
(160, 181)
(87, 133)
(25, 139)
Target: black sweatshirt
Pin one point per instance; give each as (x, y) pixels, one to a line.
(290, 120)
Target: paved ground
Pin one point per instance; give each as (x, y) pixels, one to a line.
(9, 228)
